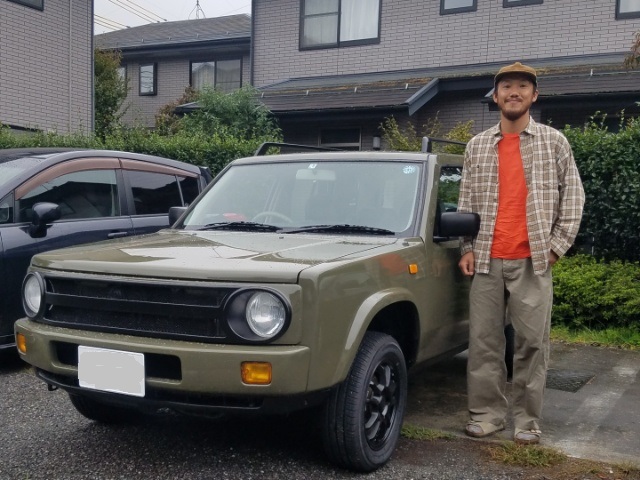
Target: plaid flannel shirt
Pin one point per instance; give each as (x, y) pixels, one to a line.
(555, 195)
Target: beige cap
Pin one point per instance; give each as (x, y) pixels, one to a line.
(516, 68)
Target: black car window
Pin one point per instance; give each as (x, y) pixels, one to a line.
(6, 209)
(84, 194)
(154, 193)
(189, 187)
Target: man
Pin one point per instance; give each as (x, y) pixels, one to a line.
(521, 178)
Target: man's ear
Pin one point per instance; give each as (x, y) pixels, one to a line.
(535, 94)
(495, 96)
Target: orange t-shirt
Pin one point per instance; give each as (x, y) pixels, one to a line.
(510, 237)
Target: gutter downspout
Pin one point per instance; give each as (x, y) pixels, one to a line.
(251, 42)
(69, 65)
(92, 78)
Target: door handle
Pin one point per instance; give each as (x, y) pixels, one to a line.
(117, 234)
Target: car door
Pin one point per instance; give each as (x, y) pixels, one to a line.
(448, 288)
(87, 192)
(153, 189)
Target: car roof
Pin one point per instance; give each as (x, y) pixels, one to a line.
(9, 154)
(34, 160)
(55, 155)
(333, 156)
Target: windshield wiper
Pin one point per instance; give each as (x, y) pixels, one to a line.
(241, 226)
(343, 228)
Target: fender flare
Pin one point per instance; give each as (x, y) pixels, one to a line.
(369, 308)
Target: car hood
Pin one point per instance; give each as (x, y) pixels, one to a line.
(224, 256)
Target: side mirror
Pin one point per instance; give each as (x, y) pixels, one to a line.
(42, 214)
(175, 213)
(456, 224)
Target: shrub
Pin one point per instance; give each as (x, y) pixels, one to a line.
(608, 163)
(407, 139)
(596, 294)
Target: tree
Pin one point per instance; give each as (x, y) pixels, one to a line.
(110, 91)
(167, 121)
(237, 114)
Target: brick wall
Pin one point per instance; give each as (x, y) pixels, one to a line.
(415, 35)
(46, 70)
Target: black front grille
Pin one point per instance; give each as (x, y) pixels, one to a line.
(165, 310)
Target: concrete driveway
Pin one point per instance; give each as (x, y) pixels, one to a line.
(592, 402)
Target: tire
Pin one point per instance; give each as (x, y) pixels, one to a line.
(363, 417)
(101, 412)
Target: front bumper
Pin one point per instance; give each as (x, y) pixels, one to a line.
(175, 370)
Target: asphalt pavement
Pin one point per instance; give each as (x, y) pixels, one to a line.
(590, 412)
(591, 409)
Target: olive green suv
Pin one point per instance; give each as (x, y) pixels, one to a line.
(293, 281)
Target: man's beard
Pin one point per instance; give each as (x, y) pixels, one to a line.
(512, 115)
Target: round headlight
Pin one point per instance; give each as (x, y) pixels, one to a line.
(32, 293)
(266, 314)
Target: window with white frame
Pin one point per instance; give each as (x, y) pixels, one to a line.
(627, 9)
(225, 75)
(457, 6)
(335, 23)
(520, 3)
(148, 79)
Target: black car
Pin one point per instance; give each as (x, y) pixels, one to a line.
(53, 198)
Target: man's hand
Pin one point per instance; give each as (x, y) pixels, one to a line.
(553, 258)
(467, 264)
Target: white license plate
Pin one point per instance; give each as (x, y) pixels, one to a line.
(111, 370)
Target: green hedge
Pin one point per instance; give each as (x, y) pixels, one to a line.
(211, 150)
(609, 163)
(595, 294)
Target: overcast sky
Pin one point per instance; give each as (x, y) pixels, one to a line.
(120, 13)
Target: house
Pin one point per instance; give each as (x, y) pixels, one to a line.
(160, 60)
(46, 65)
(332, 71)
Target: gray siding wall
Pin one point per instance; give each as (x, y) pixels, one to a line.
(46, 66)
(172, 78)
(415, 35)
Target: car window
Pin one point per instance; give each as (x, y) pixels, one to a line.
(84, 194)
(154, 193)
(6, 209)
(189, 188)
(448, 192)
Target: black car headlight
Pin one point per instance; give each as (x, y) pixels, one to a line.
(257, 315)
(33, 294)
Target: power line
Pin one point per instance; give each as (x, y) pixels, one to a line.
(144, 10)
(118, 3)
(105, 22)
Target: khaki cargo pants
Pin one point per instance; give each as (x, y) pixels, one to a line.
(510, 292)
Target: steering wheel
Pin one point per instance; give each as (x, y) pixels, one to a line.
(266, 214)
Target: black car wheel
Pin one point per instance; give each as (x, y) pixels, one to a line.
(363, 417)
(101, 412)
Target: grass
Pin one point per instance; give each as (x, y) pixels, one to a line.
(415, 432)
(624, 338)
(526, 455)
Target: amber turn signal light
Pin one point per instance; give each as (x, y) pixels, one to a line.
(256, 373)
(413, 269)
(21, 343)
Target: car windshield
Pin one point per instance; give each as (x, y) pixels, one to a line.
(291, 196)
